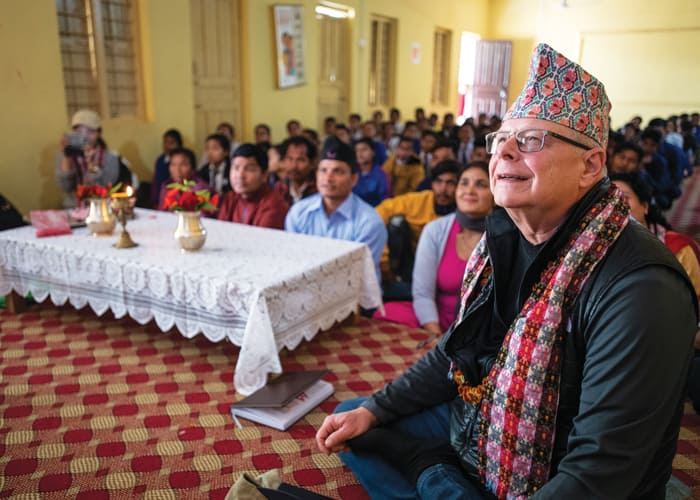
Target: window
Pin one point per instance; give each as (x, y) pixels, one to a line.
(381, 66)
(441, 67)
(99, 55)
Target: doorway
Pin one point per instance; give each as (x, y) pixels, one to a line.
(334, 61)
(215, 65)
(484, 74)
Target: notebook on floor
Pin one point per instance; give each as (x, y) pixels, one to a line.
(285, 399)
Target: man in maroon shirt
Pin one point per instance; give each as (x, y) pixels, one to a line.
(252, 201)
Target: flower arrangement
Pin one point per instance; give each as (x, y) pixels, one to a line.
(181, 197)
(87, 191)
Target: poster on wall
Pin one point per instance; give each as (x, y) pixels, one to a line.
(415, 53)
(289, 44)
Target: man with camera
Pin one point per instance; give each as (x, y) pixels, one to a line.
(84, 158)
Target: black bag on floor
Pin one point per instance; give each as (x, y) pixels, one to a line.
(9, 215)
(290, 492)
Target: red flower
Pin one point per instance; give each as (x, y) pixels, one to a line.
(597, 122)
(556, 106)
(188, 201)
(548, 86)
(543, 65)
(529, 94)
(215, 200)
(171, 198)
(84, 191)
(534, 110)
(582, 122)
(575, 101)
(184, 197)
(569, 79)
(593, 95)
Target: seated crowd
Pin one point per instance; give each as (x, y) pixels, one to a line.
(415, 192)
(418, 194)
(408, 171)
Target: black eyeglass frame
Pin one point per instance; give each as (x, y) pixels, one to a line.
(490, 139)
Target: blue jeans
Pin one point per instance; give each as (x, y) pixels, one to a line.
(382, 481)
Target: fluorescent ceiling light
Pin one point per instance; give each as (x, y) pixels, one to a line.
(331, 12)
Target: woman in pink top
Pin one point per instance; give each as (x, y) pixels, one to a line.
(443, 249)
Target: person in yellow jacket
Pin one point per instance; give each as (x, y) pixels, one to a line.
(406, 215)
(404, 169)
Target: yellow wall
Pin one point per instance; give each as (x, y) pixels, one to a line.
(644, 52)
(263, 102)
(166, 55)
(33, 95)
(33, 101)
(417, 20)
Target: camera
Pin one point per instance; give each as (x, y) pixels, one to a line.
(74, 144)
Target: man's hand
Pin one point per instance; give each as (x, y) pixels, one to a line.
(435, 333)
(340, 427)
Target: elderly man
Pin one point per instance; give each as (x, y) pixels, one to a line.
(335, 211)
(563, 375)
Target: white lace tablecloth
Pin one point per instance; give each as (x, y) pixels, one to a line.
(261, 289)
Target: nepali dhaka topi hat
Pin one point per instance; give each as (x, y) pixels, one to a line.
(335, 149)
(561, 91)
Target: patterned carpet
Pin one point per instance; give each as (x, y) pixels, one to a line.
(103, 408)
(94, 408)
(97, 408)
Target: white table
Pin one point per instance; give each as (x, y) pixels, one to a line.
(261, 289)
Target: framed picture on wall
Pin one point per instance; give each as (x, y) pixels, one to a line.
(289, 45)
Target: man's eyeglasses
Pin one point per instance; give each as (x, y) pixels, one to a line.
(529, 140)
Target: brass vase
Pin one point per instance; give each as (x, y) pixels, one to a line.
(100, 219)
(190, 233)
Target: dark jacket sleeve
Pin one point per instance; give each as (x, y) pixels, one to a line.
(424, 385)
(638, 339)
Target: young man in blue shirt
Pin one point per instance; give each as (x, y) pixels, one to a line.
(335, 211)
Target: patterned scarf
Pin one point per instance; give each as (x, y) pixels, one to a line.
(521, 393)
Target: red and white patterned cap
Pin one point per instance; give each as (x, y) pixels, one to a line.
(560, 91)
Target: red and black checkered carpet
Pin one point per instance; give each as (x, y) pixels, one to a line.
(103, 408)
(99, 408)
(95, 408)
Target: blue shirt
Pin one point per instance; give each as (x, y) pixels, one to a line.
(379, 152)
(354, 220)
(372, 186)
